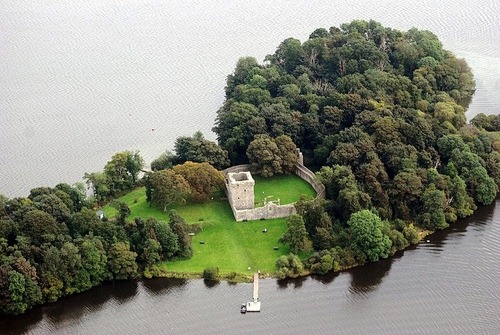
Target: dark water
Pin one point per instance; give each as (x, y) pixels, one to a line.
(449, 284)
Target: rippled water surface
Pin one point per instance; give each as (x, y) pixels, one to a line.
(83, 79)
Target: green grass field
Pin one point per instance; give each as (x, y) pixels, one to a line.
(287, 188)
(230, 245)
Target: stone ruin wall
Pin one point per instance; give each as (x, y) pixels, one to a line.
(270, 210)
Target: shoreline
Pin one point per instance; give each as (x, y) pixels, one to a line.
(236, 277)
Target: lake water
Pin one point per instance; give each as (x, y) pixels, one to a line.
(81, 80)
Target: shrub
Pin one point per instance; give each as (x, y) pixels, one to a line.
(211, 273)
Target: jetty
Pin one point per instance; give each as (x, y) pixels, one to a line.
(253, 306)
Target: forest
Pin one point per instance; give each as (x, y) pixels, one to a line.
(379, 115)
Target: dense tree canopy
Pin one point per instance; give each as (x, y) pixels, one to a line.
(53, 244)
(195, 149)
(120, 174)
(367, 236)
(168, 187)
(269, 156)
(203, 179)
(380, 114)
(318, 88)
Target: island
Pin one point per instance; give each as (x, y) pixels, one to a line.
(332, 153)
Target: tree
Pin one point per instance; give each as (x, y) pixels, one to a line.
(404, 194)
(269, 156)
(288, 55)
(99, 184)
(76, 194)
(168, 187)
(83, 222)
(41, 226)
(341, 187)
(71, 271)
(19, 287)
(164, 161)
(94, 260)
(288, 153)
(53, 205)
(236, 125)
(264, 156)
(122, 170)
(198, 149)
(317, 222)
(296, 235)
(121, 261)
(289, 266)
(483, 186)
(181, 229)
(123, 211)
(162, 232)
(433, 203)
(151, 253)
(322, 262)
(203, 179)
(483, 121)
(367, 237)
(241, 73)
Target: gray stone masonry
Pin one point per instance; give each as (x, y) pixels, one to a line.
(240, 193)
(240, 190)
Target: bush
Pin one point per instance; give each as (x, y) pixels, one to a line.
(211, 273)
(411, 234)
(289, 266)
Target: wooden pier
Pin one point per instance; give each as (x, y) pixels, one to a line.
(255, 286)
(254, 306)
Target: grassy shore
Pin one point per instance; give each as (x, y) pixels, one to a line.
(232, 246)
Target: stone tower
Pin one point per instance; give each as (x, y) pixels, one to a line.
(240, 190)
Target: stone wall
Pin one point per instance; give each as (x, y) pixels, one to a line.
(269, 211)
(308, 175)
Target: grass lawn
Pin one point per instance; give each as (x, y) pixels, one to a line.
(230, 245)
(287, 188)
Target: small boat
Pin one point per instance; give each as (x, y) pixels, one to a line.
(243, 308)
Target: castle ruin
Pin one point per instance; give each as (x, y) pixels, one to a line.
(240, 190)
(240, 193)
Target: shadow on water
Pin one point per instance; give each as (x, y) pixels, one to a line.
(70, 309)
(123, 291)
(211, 283)
(327, 278)
(483, 216)
(294, 282)
(367, 278)
(20, 324)
(161, 286)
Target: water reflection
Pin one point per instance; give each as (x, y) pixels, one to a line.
(367, 278)
(211, 283)
(327, 278)
(161, 286)
(435, 243)
(20, 324)
(295, 282)
(123, 291)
